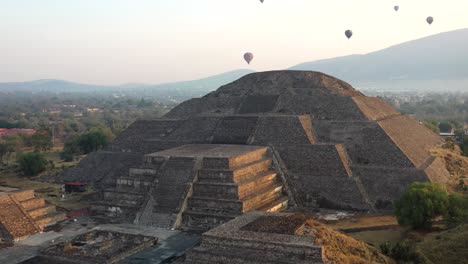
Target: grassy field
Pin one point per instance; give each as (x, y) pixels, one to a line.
(11, 177)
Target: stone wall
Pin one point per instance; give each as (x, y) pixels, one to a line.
(206, 106)
(280, 130)
(366, 143)
(385, 185)
(319, 177)
(235, 130)
(374, 108)
(258, 104)
(413, 138)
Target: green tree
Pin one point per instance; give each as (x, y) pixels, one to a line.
(92, 141)
(42, 140)
(32, 163)
(432, 126)
(70, 149)
(457, 210)
(3, 151)
(420, 204)
(464, 146)
(445, 127)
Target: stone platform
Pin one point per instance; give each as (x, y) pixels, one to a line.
(23, 214)
(233, 243)
(195, 187)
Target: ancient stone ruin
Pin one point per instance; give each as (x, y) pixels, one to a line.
(94, 247)
(259, 237)
(23, 214)
(322, 144)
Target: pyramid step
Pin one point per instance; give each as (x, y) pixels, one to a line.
(236, 161)
(257, 200)
(49, 219)
(277, 205)
(236, 174)
(247, 204)
(203, 221)
(40, 211)
(32, 203)
(232, 190)
(23, 195)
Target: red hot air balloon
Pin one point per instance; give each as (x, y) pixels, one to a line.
(430, 20)
(248, 57)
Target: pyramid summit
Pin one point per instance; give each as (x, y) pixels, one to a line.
(264, 142)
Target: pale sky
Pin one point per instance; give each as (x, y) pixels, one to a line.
(155, 41)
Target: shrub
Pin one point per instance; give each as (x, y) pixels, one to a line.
(32, 163)
(457, 211)
(420, 204)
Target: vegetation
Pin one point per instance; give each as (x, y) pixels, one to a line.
(420, 204)
(423, 202)
(449, 247)
(32, 163)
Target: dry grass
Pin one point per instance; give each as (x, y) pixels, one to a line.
(456, 164)
(358, 222)
(342, 249)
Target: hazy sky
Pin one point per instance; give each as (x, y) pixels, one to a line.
(154, 41)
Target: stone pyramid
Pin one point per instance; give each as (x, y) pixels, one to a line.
(333, 146)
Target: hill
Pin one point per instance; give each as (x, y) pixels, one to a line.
(177, 90)
(429, 63)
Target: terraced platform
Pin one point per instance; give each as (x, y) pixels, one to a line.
(195, 187)
(23, 214)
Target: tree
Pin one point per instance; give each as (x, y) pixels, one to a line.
(420, 204)
(457, 211)
(42, 141)
(464, 146)
(432, 126)
(3, 151)
(92, 141)
(445, 127)
(32, 163)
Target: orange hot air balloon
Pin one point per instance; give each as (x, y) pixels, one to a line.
(248, 57)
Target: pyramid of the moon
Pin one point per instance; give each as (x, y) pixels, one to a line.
(322, 143)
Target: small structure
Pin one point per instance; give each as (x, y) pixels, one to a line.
(75, 187)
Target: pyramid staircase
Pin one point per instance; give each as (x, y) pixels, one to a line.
(227, 187)
(121, 203)
(23, 214)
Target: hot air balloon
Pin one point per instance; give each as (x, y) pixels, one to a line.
(248, 57)
(349, 33)
(396, 8)
(261, 1)
(430, 20)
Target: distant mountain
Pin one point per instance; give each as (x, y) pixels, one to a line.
(178, 90)
(430, 63)
(49, 85)
(199, 87)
